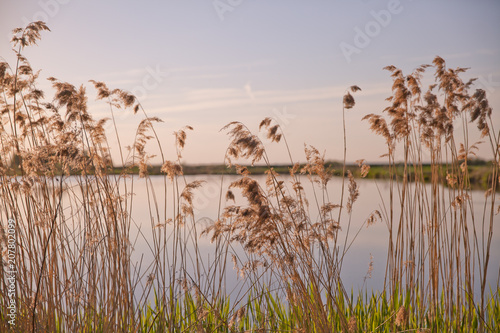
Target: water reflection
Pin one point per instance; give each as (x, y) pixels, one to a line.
(369, 243)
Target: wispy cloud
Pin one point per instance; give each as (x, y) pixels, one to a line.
(124, 76)
(487, 51)
(248, 90)
(223, 98)
(457, 55)
(219, 68)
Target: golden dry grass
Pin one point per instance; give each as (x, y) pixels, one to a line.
(74, 217)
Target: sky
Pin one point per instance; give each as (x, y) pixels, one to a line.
(206, 63)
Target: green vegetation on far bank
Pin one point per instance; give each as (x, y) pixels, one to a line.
(479, 171)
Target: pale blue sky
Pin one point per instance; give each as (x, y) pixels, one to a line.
(264, 58)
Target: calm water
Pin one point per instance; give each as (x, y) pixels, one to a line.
(371, 241)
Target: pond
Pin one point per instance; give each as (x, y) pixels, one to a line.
(369, 245)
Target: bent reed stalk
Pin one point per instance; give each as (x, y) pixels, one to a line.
(76, 232)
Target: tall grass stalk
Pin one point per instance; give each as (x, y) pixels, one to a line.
(78, 268)
(437, 245)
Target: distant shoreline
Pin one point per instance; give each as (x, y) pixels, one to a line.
(479, 171)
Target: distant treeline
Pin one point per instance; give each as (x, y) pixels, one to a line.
(479, 170)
